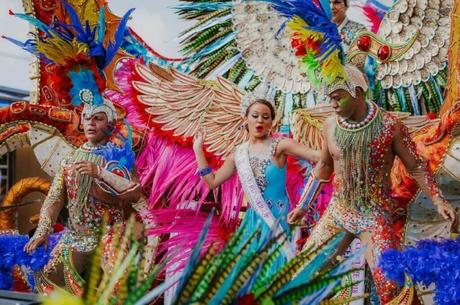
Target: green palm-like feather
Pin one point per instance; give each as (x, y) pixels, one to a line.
(197, 274)
(199, 40)
(219, 260)
(225, 256)
(291, 269)
(217, 282)
(143, 286)
(94, 275)
(249, 268)
(297, 293)
(263, 280)
(132, 277)
(206, 18)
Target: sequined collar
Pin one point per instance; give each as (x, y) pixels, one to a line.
(91, 148)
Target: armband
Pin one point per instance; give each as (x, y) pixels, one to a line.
(311, 191)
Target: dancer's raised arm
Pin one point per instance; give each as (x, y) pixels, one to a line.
(211, 179)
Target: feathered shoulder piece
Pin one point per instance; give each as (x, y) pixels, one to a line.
(314, 37)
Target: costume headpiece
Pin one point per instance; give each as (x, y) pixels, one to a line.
(77, 52)
(314, 37)
(353, 79)
(106, 107)
(318, 45)
(262, 92)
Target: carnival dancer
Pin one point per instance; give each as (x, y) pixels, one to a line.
(91, 182)
(348, 29)
(361, 143)
(261, 166)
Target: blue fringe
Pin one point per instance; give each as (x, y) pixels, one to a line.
(92, 36)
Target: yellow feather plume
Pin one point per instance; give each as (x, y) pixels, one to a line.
(332, 67)
(58, 50)
(298, 27)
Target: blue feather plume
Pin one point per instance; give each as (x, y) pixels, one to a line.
(84, 79)
(123, 154)
(82, 32)
(12, 254)
(429, 262)
(119, 37)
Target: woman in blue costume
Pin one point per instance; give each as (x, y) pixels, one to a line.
(261, 166)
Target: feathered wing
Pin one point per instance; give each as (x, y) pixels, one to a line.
(172, 107)
(182, 105)
(244, 42)
(307, 125)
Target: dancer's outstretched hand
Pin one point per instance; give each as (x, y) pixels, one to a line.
(446, 210)
(35, 242)
(295, 216)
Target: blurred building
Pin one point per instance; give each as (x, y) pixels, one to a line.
(18, 165)
(7, 164)
(9, 95)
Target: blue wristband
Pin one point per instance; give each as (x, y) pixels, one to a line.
(205, 171)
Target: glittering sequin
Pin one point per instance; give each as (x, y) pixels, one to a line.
(85, 214)
(259, 163)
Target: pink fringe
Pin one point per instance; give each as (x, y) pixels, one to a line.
(373, 16)
(183, 226)
(168, 169)
(295, 180)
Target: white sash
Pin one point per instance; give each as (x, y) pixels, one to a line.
(253, 194)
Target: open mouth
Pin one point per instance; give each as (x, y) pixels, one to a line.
(259, 128)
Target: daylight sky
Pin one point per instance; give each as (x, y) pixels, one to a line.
(154, 20)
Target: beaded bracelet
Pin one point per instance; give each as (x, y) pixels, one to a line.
(204, 171)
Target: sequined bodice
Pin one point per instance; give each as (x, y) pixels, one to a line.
(85, 216)
(271, 181)
(260, 161)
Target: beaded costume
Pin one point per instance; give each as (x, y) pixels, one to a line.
(77, 54)
(87, 206)
(349, 31)
(362, 201)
